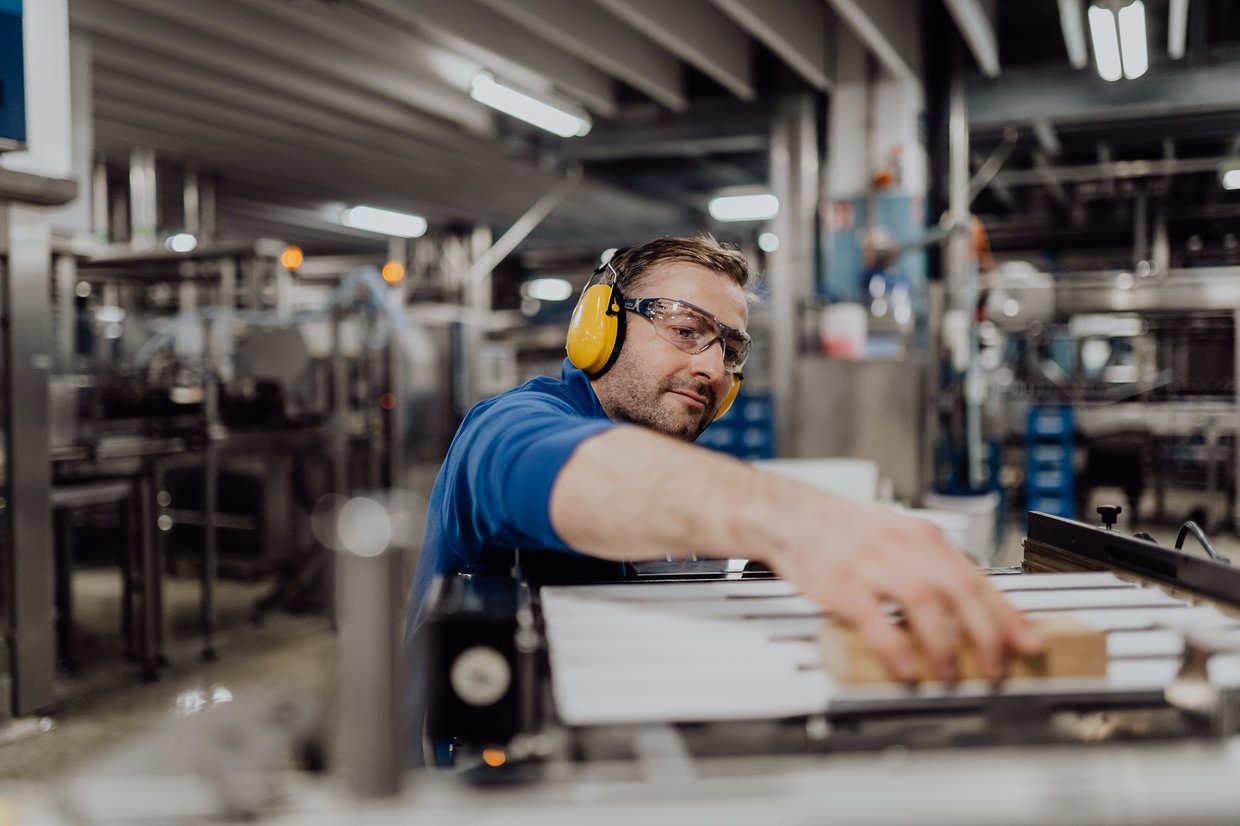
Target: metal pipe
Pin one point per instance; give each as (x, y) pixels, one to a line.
(963, 275)
(369, 681)
(523, 226)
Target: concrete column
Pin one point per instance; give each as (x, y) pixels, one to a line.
(791, 268)
(25, 246)
(874, 124)
(143, 199)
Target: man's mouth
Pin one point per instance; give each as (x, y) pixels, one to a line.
(699, 396)
(691, 396)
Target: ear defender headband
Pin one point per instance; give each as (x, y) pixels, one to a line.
(596, 331)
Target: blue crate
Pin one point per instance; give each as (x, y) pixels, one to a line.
(747, 431)
(1050, 478)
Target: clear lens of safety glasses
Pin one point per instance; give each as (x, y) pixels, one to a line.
(692, 329)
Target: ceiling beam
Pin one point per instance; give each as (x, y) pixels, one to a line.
(1072, 23)
(703, 130)
(799, 32)
(1118, 170)
(359, 28)
(121, 64)
(695, 32)
(222, 58)
(231, 153)
(885, 27)
(308, 51)
(1068, 97)
(976, 21)
(603, 41)
(270, 137)
(514, 54)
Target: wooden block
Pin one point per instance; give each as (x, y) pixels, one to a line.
(1073, 649)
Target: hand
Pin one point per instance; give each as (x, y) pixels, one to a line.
(851, 558)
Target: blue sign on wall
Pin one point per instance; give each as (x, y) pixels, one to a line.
(12, 77)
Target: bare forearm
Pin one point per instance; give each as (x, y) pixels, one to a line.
(633, 494)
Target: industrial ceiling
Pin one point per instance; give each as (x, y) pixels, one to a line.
(300, 107)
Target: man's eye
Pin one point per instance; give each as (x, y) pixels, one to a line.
(687, 333)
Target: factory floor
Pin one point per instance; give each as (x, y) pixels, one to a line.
(105, 703)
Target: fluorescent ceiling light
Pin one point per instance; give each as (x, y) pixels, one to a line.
(385, 221)
(1105, 36)
(547, 289)
(1231, 179)
(485, 89)
(181, 242)
(1132, 44)
(761, 207)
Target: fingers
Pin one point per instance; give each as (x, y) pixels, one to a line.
(928, 618)
(946, 599)
(860, 608)
(989, 623)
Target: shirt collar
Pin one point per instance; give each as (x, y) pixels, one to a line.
(579, 385)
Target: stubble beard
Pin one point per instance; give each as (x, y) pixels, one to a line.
(633, 400)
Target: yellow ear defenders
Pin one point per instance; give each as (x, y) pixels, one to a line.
(729, 397)
(596, 331)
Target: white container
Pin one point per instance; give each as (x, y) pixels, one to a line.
(954, 525)
(981, 509)
(844, 328)
(854, 479)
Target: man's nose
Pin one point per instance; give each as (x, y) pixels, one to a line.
(710, 360)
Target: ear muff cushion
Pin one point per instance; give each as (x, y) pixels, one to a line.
(593, 331)
(733, 391)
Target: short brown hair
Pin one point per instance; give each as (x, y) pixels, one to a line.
(632, 263)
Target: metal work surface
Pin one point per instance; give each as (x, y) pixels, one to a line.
(1181, 784)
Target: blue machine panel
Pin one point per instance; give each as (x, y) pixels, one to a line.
(12, 77)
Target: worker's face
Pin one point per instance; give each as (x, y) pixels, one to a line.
(654, 383)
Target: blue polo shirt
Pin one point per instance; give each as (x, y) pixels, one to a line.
(493, 492)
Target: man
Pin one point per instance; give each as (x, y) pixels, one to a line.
(558, 465)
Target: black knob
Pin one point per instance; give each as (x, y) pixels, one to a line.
(1110, 514)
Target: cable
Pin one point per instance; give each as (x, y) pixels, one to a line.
(1192, 527)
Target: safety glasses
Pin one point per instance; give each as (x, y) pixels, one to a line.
(692, 329)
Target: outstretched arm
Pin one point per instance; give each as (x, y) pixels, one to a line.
(630, 493)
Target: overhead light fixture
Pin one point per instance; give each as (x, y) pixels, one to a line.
(487, 90)
(384, 221)
(1119, 39)
(757, 207)
(547, 289)
(291, 257)
(182, 242)
(1231, 178)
